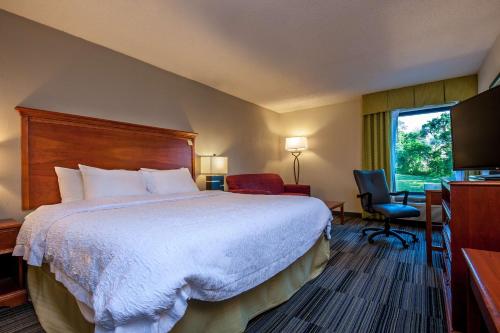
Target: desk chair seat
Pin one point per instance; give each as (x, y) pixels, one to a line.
(376, 198)
(396, 210)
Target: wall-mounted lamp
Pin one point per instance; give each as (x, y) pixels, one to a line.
(296, 145)
(214, 167)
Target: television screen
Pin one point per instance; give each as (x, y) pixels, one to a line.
(475, 131)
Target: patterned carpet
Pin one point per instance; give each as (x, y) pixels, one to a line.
(365, 288)
(20, 319)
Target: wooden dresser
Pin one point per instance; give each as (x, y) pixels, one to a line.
(472, 220)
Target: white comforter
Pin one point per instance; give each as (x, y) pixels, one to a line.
(135, 261)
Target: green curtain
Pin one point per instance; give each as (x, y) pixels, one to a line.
(377, 146)
(377, 142)
(432, 93)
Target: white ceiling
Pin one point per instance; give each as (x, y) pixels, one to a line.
(286, 55)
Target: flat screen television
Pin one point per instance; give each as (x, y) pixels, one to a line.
(475, 132)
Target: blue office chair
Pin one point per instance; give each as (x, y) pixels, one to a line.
(376, 198)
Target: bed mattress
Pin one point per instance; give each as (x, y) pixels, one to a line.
(136, 261)
(58, 311)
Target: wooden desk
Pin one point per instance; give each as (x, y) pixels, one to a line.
(483, 290)
(432, 197)
(336, 204)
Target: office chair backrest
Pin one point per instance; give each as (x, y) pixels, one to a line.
(374, 182)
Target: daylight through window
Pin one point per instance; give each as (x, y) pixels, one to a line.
(422, 149)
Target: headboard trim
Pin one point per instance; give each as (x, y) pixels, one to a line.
(48, 138)
(70, 119)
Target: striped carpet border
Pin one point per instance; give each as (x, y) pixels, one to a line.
(365, 287)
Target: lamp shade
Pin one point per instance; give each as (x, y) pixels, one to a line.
(296, 143)
(214, 165)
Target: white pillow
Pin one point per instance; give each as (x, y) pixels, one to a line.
(147, 169)
(100, 183)
(70, 184)
(169, 181)
(148, 178)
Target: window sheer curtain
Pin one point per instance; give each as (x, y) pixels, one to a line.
(377, 118)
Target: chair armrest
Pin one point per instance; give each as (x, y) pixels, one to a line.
(294, 188)
(250, 191)
(405, 199)
(368, 197)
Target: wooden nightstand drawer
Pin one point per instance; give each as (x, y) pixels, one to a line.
(8, 240)
(12, 284)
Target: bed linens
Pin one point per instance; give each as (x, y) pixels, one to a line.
(135, 261)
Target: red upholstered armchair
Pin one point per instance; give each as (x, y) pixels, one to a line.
(264, 183)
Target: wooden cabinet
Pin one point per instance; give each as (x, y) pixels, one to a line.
(472, 220)
(12, 285)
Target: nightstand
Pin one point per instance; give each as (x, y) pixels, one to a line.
(334, 205)
(12, 286)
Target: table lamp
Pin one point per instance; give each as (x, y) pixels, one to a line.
(296, 145)
(214, 167)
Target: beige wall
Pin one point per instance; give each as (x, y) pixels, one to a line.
(490, 67)
(334, 136)
(44, 68)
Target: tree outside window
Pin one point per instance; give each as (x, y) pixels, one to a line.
(423, 150)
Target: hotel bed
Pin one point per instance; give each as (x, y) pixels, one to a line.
(197, 261)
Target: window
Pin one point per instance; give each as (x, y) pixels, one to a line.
(422, 149)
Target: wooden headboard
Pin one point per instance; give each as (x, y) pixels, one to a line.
(50, 139)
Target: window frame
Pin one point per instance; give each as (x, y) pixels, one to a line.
(395, 114)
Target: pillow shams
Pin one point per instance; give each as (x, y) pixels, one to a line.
(169, 181)
(100, 183)
(70, 184)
